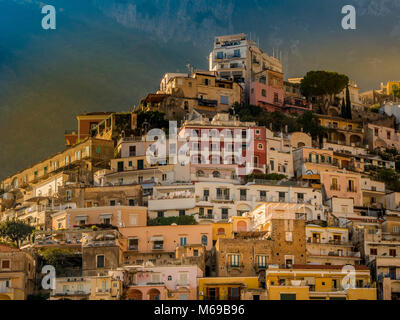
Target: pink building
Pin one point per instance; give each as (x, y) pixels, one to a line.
(382, 137)
(342, 185)
(119, 216)
(161, 239)
(171, 282)
(263, 95)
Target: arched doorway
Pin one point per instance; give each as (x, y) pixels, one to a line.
(355, 139)
(134, 294)
(154, 294)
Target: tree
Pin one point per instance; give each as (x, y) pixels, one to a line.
(15, 231)
(396, 91)
(309, 122)
(323, 84)
(343, 109)
(348, 104)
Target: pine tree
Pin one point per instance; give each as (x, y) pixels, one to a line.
(343, 109)
(348, 104)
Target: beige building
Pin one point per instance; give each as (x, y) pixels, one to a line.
(330, 246)
(17, 273)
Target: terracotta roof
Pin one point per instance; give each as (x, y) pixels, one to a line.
(325, 267)
(6, 248)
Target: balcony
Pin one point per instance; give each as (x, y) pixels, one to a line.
(223, 198)
(158, 246)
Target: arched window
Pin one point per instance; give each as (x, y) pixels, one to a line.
(216, 174)
(221, 231)
(200, 173)
(204, 240)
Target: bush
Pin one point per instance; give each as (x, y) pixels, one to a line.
(166, 221)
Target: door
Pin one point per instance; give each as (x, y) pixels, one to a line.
(120, 166)
(140, 164)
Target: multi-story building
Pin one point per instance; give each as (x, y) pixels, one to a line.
(382, 138)
(319, 282)
(237, 58)
(162, 282)
(220, 201)
(343, 131)
(71, 288)
(86, 122)
(330, 246)
(171, 200)
(17, 273)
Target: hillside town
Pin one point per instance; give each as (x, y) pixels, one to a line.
(232, 183)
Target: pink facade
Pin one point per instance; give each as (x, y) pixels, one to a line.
(115, 215)
(167, 238)
(175, 282)
(263, 94)
(342, 185)
(383, 137)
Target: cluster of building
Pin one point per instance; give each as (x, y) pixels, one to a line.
(144, 224)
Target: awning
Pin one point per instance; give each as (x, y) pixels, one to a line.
(147, 185)
(157, 238)
(83, 217)
(105, 215)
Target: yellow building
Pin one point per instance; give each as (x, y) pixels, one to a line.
(17, 273)
(319, 282)
(227, 230)
(225, 288)
(390, 86)
(106, 288)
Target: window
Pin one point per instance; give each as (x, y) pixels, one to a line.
(186, 105)
(164, 177)
(112, 203)
(271, 164)
(220, 55)
(282, 196)
(182, 241)
(133, 244)
(262, 261)
(68, 195)
(132, 151)
(195, 253)
(98, 149)
(183, 278)
(156, 277)
(236, 53)
(234, 293)
(133, 219)
(224, 99)
(158, 245)
(77, 155)
(263, 92)
(289, 236)
(224, 213)
(100, 261)
(204, 240)
(160, 214)
(5, 264)
(182, 213)
(373, 251)
(131, 202)
(263, 195)
(288, 296)
(392, 252)
(234, 260)
(276, 97)
(243, 194)
(216, 174)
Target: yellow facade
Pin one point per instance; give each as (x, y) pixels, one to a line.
(317, 284)
(223, 284)
(391, 85)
